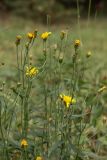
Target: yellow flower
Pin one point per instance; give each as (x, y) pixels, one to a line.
(18, 39)
(45, 35)
(31, 71)
(68, 100)
(24, 143)
(39, 158)
(102, 89)
(77, 43)
(30, 35)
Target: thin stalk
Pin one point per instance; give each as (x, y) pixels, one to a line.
(95, 16)
(25, 107)
(78, 18)
(89, 11)
(24, 63)
(17, 54)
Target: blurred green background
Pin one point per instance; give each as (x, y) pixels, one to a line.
(38, 9)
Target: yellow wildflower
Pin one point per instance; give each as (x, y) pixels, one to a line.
(102, 89)
(45, 35)
(77, 43)
(24, 143)
(68, 100)
(30, 35)
(31, 71)
(39, 158)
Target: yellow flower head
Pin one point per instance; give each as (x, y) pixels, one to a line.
(77, 43)
(45, 35)
(102, 89)
(68, 100)
(31, 71)
(39, 158)
(24, 143)
(30, 35)
(18, 39)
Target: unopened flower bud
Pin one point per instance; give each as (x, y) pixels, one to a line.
(55, 47)
(27, 45)
(50, 119)
(35, 33)
(4, 83)
(1, 89)
(2, 63)
(77, 43)
(12, 87)
(30, 57)
(88, 54)
(104, 119)
(18, 39)
(18, 84)
(62, 35)
(61, 59)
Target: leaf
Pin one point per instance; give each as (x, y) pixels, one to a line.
(55, 147)
(95, 156)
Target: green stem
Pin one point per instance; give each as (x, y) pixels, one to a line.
(78, 18)
(89, 11)
(25, 107)
(17, 53)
